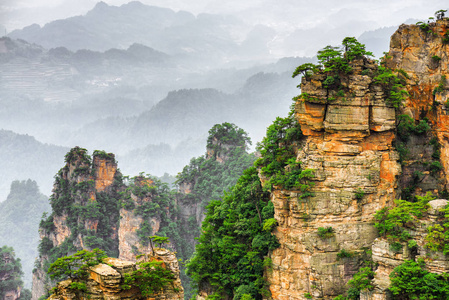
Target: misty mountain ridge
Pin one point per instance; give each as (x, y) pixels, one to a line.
(24, 157)
(136, 84)
(106, 27)
(83, 103)
(215, 38)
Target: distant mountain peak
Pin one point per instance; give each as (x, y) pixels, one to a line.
(100, 5)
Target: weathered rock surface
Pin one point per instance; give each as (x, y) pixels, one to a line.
(387, 260)
(424, 57)
(350, 145)
(130, 222)
(105, 281)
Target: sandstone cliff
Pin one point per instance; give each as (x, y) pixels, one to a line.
(422, 54)
(349, 146)
(106, 280)
(362, 161)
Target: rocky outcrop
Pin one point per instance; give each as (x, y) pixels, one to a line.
(423, 55)
(106, 281)
(386, 259)
(105, 168)
(351, 145)
(75, 220)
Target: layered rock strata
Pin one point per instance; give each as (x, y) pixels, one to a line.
(351, 146)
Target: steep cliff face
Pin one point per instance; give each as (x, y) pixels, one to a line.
(365, 152)
(348, 144)
(106, 280)
(132, 220)
(422, 54)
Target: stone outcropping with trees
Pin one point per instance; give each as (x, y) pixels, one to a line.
(91, 275)
(95, 206)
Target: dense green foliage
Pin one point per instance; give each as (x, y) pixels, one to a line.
(437, 238)
(360, 281)
(210, 177)
(406, 126)
(150, 277)
(410, 280)
(19, 222)
(392, 85)
(206, 178)
(10, 274)
(233, 245)
(227, 134)
(76, 266)
(392, 223)
(278, 158)
(325, 232)
(409, 133)
(334, 61)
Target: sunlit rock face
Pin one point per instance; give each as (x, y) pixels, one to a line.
(424, 56)
(351, 146)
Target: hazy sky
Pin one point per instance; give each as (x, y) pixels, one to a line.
(303, 25)
(282, 14)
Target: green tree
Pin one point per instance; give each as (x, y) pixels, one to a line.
(306, 70)
(354, 49)
(233, 245)
(76, 266)
(439, 14)
(150, 277)
(410, 280)
(227, 134)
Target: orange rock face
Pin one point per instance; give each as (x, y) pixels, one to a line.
(349, 146)
(424, 57)
(105, 170)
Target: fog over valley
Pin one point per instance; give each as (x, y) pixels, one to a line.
(144, 81)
